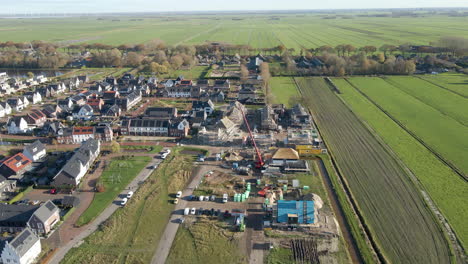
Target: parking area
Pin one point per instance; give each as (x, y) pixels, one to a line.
(43, 195)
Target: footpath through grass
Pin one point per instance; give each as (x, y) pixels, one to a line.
(132, 234)
(446, 188)
(283, 89)
(205, 242)
(118, 174)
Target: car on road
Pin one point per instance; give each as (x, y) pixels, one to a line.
(194, 198)
(186, 211)
(213, 198)
(151, 167)
(129, 194)
(124, 201)
(192, 211)
(206, 198)
(53, 191)
(178, 194)
(225, 198)
(202, 198)
(176, 200)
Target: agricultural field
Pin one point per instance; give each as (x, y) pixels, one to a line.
(400, 223)
(257, 30)
(423, 116)
(132, 234)
(205, 241)
(443, 185)
(118, 174)
(283, 89)
(456, 83)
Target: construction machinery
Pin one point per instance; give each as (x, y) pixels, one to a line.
(259, 164)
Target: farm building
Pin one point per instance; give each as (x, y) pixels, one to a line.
(295, 212)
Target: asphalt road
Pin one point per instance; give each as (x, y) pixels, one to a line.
(133, 186)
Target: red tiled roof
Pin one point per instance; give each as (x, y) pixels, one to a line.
(17, 162)
(83, 130)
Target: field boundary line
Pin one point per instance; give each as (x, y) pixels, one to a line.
(392, 83)
(370, 241)
(447, 231)
(442, 159)
(445, 88)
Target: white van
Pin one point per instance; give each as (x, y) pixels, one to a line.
(225, 198)
(129, 194)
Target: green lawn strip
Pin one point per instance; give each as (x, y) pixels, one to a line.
(280, 256)
(283, 89)
(149, 149)
(456, 82)
(445, 187)
(117, 175)
(445, 135)
(132, 234)
(448, 103)
(205, 242)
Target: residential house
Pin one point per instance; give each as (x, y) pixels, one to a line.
(35, 151)
(96, 89)
(6, 187)
(6, 107)
(203, 84)
(2, 111)
(51, 128)
(105, 86)
(33, 97)
(179, 128)
(96, 104)
(299, 117)
(25, 101)
(182, 91)
(58, 88)
(83, 79)
(206, 106)
(83, 113)
(103, 133)
(35, 118)
(223, 85)
(161, 113)
(247, 93)
(15, 166)
(130, 100)
(78, 165)
(81, 134)
(25, 248)
(111, 80)
(5, 88)
(16, 104)
(18, 125)
(111, 96)
(145, 127)
(65, 135)
(65, 104)
(51, 111)
(40, 218)
(78, 100)
(70, 201)
(112, 111)
(41, 79)
(186, 83)
(46, 92)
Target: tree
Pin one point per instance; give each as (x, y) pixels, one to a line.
(133, 59)
(30, 75)
(160, 56)
(368, 49)
(410, 67)
(349, 48)
(115, 147)
(177, 61)
(244, 73)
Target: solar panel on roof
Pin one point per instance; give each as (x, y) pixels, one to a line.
(50, 206)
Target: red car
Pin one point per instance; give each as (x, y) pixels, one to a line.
(53, 191)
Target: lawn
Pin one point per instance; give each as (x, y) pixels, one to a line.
(132, 234)
(454, 82)
(280, 256)
(402, 228)
(442, 133)
(284, 91)
(148, 149)
(445, 187)
(205, 242)
(118, 174)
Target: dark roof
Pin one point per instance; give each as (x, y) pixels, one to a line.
(70, 200)
(149, 123)
(24, 241)
(202, 104)
(35, 147)
(161, 111)
(18, 214)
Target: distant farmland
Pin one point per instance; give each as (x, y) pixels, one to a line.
(259, 31)
(399, 221)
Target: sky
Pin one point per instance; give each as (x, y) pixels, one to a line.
(104, 6)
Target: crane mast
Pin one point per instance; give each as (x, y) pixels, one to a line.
(259, 163)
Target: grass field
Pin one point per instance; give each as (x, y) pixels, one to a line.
(445, 187)
(456, 83)
(283, 89)
(258, 30)
(115, 178)
(399, 221)
(205, 242)
(132, 234)
(444, 134)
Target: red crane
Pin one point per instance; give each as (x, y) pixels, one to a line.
(259, 163)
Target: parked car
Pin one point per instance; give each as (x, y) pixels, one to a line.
(35, 202)
(202, 198)
(193, 210)
(181, 220)
(186, 211)
(200, 211)
(53, 191)
(227, 214)
(206, 198)
(129, 194)
(178, 194)
(194, 198)
(176, 200)
(124, 201)
(225, 198)
(213, 198)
